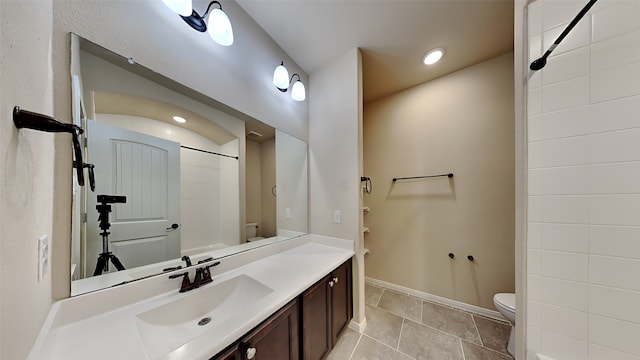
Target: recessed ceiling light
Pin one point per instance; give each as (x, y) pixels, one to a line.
(180, 119)
(433, 56)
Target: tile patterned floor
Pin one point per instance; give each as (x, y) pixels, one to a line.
(403, 327)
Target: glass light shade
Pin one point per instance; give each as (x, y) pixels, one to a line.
(298, 92)
(433, 56)
(179, 119)
(182, 7)
(281, 77)
(219, 27)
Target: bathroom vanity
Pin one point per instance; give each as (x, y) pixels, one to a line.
(278, 301)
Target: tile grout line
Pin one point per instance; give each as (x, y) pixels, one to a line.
(475, 326)
(464, 357)
(355, 347)
(400, 334)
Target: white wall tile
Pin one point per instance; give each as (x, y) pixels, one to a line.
(615, 20)
(565, 237)
(567, 180)
(534, 231)
(567, 151)
(534, 209)
(533, 261)
(566, 94)
(535, 49)
(534, 128)
(569, 294)
(614, 272)
(565, 123)
(613, 83)
(564, 321)
(615, 334)
(614, 210)
(579, 36)
(617, 51)
(559, 13)
(534, 18)
(566, 66)
(534, 155)
(597, 352)
(533, 313)
(616, 146)
(534, 186)
(616, 114)
(616, 303)
(565, 209)
(616, 178)
(562, 347)
(563, 265)
(622, 241)
(534, 101)
(533, 287)
(533, 339)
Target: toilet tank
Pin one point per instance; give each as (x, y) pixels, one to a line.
(251, 230)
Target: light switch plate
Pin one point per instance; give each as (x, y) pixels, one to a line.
(43, 256)
(287, 213)
(337, 216)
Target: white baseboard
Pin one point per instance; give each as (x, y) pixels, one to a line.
(438, 299)
(359, 327)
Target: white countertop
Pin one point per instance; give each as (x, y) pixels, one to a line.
(77, 330)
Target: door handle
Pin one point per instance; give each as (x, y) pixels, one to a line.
(173, 227)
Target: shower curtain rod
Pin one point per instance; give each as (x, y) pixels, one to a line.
(542, 61)
(449, 175)
(209, 152)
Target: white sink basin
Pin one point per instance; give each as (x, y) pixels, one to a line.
(168, 326)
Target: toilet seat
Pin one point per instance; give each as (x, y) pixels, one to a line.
(505, 301)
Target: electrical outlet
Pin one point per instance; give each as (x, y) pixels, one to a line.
(43, 256)
(287, 213)
(337, 216)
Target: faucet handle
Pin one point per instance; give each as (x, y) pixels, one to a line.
(186, 283)
(205, 260)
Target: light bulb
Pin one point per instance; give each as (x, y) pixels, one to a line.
(433, 56)
(182, 7)
(219, 27)
(281, 77)
(298, 92)
(179, 119)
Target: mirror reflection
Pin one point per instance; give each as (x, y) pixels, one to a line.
(179, 177)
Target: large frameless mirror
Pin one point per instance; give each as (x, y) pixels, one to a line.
(177, 175)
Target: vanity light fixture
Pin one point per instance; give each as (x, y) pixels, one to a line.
(282, 81)
(433, 56)
(218, 25)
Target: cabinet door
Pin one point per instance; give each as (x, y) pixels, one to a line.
(231, 354)
(316, 307)
(275, 339)
(341, 308)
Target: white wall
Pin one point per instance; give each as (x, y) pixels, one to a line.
(26, 168)
(584, 183)
(335, 120)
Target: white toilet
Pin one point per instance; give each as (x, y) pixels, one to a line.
(506, 304)
(252, 232)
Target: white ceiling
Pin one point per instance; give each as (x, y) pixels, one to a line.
(392, 34)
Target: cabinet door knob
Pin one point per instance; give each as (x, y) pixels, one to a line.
(335, 280)
(251, 353)
(331, 283)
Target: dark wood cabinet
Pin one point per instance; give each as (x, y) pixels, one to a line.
(306, 328)
(277, 338)
(326, 312)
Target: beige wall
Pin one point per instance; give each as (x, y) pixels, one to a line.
(267, 219)
(461, 123)
(26, 168)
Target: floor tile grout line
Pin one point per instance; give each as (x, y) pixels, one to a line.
(355, 347)
(400, 334)
(475, 326)
(464, 357)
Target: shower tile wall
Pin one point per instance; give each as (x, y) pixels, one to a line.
(583, 240)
